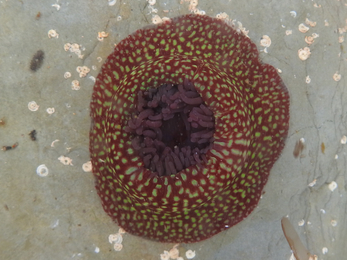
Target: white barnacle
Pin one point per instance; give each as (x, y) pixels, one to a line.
(42, 170)
(190, 254)
(310, 23)
(337, 76)
(115, 238)
(83, 71)
(265, 41)
(308, 79)
(75, 85)
(53, 34)
(309, 40)
(118, 247)
(304, 53)
(303, 28)
(87, 167)
(165, 19)
(65, 160)
(341, 39)
(102, 35)
(67, 75)
(174, 253)
(32, 106)
(165, 256)
(50, 110)
(156, 19)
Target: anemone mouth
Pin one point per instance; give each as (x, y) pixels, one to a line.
(171, 128)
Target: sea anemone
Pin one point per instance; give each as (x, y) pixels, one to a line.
(186, 126)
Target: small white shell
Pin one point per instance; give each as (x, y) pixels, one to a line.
(344, 139)
(42, 170)
(152, 2)
(332, 186)
(50, 110)
(304, 53)
(56, 6)
(112, 2)
(333, 223)
(324, 250)
(32, 106)
(312, 183)
(92, 78)
(293, 13)
(308, 79)
(303, 28)
(87, 167)
(190, 254)
(52, 144)
(289, 32)
(301, 223)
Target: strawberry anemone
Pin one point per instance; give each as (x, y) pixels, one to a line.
(186, 126)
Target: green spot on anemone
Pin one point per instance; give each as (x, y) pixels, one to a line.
(243, 99)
